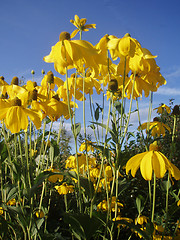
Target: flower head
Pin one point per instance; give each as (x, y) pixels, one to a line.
(157, 128)
(64, 189)
(80, 24)
(16, 116)
(150, 161)
(163, 108)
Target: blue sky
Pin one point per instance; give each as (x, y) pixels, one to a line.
(29, 29)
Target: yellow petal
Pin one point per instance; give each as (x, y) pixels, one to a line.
(134, 163)
(73, 34)
(158, 165)
(146, 166)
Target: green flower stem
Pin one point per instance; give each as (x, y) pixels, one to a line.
(149, 113)
(150, 195)
(171, 155)
(129, 114)
(154, 198)
(60, 130)
(27, 159)
(74, 135)
(90, 101)
(42, 147)
(122, 100)
(103, 100)
(142, 135)
(168, 180)
(102, 161)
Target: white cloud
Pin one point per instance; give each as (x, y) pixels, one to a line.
(168, 91)
(174, 74)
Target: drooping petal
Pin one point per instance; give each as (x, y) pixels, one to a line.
(134, 163)
(146, 166)
(158, 164)
(16, 119)
(34, 116)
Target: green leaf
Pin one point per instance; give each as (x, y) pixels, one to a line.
(76, 128)
(3, 227)
(135, 228)
(81, 224)
(36, 226)
(96, 114)
(85, 183)
(140, 203)
(149, 228)
(3, 151)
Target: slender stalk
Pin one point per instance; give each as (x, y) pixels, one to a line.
(142, 135)
(129, 114)
(149, 113)
(122, 100)
(154, 197)
(74, 135)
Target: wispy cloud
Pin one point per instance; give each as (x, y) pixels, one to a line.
(168, 91)
(173, 74)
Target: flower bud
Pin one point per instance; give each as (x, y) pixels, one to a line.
(15, 81)
(2, 78)
(64, 36)
(50, 77)
(113, 85)
(42, 71)
(32, 72)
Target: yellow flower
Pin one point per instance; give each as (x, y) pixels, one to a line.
(162, 108)
(54, 108)
(1, 211)
(64, 189)
(51, 80)
(54, 178)
(89, 146)
(157, 128)
(12, 202)
(118, 218)
(80, 24)
(74, 54)
(104, 205)
(152, 161)
(16, 116)
(40, 214)
(178, 203)
(141, 220)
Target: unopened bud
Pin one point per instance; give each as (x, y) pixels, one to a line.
(42, 71)
(32, 72)
(2, 78)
